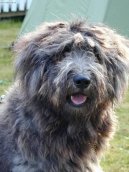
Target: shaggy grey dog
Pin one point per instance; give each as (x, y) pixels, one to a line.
(58, 116)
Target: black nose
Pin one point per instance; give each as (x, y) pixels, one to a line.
(81, 81)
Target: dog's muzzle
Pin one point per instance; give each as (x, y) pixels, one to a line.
(79, 98)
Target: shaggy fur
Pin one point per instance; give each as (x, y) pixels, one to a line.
(41, 129)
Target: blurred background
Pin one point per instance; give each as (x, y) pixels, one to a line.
(18, 17)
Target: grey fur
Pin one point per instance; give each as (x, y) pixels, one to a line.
(40, 130)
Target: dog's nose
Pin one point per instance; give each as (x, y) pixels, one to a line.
(81, 81)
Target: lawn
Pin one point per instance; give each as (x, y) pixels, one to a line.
(117, 157)
(8, 34)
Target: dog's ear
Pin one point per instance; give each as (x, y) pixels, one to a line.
(33, 51)
(116, 49)
(110, 41)
(30, 64)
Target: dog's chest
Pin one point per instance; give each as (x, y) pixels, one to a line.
(52, 165)
(46, 165)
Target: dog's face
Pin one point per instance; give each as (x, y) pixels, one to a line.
(75, 68)
(78, 81)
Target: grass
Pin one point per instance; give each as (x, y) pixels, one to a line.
(8, 33)
(117, 157)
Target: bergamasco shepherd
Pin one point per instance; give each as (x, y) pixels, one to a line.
(58, 116)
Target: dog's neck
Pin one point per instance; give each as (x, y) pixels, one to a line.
(56, 139)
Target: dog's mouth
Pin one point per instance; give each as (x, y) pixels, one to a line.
(77, 99)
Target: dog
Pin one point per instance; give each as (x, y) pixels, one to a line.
(59, 114)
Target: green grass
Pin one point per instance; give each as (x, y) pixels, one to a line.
(8, 33)
(117, 157)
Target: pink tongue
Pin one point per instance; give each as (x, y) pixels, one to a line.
(78, 99)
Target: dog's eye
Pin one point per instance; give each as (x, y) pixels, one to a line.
(90, 54)
(56, 59)
(94, 57)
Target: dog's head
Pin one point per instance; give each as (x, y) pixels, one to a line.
(73, 67)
